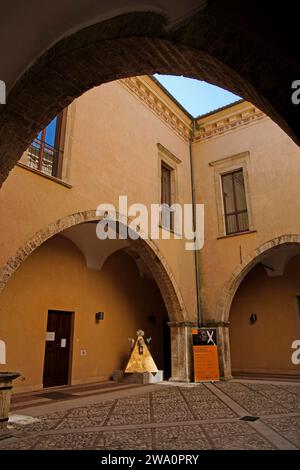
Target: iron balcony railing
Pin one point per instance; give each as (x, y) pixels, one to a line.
(43, 157)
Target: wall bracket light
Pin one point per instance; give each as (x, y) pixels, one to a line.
(99, 316)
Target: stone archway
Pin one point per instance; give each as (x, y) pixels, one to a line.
(230, 289)
(156, 263)
(207, 47)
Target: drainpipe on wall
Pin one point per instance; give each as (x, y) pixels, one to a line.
(196, 257)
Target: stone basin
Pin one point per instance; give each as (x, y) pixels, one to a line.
(6, 379)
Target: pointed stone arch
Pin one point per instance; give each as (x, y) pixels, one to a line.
(145, 248)
(161, 272)
(231, 287)
(229, 291)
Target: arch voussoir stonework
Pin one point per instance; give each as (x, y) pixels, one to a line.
(139, 43)
(145, 248)
(229, 291)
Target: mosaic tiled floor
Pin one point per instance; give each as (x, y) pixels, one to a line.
(168, 417)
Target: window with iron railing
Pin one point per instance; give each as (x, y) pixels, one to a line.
(45, 152)
(167, 216)
(235, 202)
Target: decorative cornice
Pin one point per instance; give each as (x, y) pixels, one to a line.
(219, 125)
(167, 113)
(169, 154)
(238, 157)
(215, 124)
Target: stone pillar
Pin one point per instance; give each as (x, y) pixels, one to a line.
(223, 347)
(6, 379)
(224, 350)
(181, 351)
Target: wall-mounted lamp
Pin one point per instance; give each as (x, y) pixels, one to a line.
(99, 316)
(253, 318)
(151, 318)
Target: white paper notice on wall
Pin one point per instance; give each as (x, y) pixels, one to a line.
(50, 336)
(63, 343)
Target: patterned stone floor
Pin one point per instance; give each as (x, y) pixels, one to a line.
(168, 417)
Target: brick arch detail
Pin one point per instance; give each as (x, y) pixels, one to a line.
(137, 44)
(230, 289)
(145, 248)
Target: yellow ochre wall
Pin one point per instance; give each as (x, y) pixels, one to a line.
(110, 150)
(274, 198)
(265, 346)
(55, 277)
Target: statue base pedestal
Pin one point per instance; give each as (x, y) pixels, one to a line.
(138, 377)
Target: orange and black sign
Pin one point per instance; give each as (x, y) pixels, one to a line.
(205, 352)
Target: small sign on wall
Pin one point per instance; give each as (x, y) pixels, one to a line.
(50, 336)
(205, 353)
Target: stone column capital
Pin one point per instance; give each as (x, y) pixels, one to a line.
(182, 324)
(8, 376)
(193, 324)
(216, 324)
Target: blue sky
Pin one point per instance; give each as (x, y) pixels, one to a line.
(195, 96)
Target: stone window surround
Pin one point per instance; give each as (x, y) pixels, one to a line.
(66, 136)
(170, 160)
(221, 167)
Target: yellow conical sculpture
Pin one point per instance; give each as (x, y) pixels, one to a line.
(140, 359)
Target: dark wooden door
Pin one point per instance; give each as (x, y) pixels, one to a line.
(58, 345)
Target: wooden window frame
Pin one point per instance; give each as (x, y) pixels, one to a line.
(166, 167)
(224, 165)
(40, 146)
(236, 212)
(170, 161)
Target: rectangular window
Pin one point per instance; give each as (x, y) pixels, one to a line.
(235, 204)
(45, 152)
(166, 197)
(165, 184)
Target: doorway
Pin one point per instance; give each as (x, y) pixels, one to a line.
(58, 347)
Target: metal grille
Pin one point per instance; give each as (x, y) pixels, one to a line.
(43, 157)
